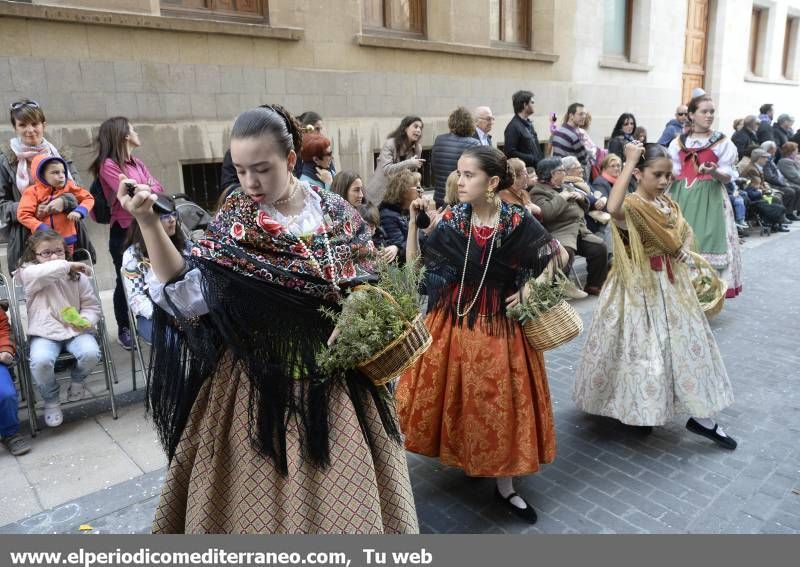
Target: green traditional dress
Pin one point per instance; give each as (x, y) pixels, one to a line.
(705, 202)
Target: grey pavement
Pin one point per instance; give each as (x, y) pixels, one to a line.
(605, 478)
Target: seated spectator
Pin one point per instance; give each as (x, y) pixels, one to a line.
(447, 149)
(136, 265)
(402, 189)
(790, 169)
(745, 161)
(563, 213)
(782, 130)
(746, 135)
(13, 441)
(640, 134)
(62, 313)
(451, 189)
(790, 194)
(596, 215)
(739, 204)
(348, 185)
(517, 194)
(532, 177)
(771, 213)
(317, 158)
(610, 169)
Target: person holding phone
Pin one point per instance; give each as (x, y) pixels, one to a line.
(702, 163)
(402, 150)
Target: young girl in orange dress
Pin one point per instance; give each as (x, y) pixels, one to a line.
(478, 398)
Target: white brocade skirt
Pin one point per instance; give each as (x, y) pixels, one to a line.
(651, 355)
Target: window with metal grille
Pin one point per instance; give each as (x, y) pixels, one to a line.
(201, 183)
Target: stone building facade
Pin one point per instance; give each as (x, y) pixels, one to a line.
(181, 74)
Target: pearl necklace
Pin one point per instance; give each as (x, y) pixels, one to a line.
(459, 313)
(292, 192)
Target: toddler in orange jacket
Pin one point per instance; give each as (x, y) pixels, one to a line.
(38, 209)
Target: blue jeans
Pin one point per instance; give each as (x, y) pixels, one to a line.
(739, 209)
(43, 358)
(9, 422)
(145, 328)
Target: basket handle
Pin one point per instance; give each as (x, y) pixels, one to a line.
(367, 287)
(701, 262)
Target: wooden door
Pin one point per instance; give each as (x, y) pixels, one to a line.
(694, 54)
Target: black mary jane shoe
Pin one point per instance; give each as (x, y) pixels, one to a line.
(723, 441)
(528, 513)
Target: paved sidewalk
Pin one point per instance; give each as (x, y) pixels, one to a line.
(605, 479)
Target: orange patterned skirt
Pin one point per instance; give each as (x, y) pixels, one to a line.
(478, 402)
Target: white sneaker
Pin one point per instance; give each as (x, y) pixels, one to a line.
(53, 416)
(75, 391)
(574, 292)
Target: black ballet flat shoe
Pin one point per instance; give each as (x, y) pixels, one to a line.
(723, 441)
(528, 513)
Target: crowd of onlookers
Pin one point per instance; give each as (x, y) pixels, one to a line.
(564, 183)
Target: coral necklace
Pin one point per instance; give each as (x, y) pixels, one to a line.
(472, 303)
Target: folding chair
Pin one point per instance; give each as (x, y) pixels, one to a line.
(136, 350)
(65, 359)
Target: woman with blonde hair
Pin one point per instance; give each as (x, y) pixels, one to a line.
(401, 190)
(451, 189)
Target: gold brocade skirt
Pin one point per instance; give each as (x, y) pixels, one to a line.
(217, 482)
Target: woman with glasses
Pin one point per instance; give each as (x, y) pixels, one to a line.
(402, 190)
(16, 158)
(622, 134)
(317, 156)
(563, 209)
(116, 142)
(136, 266)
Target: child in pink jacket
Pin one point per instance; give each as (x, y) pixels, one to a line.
(62, 313)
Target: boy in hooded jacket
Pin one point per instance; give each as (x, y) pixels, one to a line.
(36, 209)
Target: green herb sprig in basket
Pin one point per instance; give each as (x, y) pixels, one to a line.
(371, 319)
(548, 321)
(542, 296)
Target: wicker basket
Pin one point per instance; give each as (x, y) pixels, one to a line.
(401, 353)
(556, 326)
(710, 308)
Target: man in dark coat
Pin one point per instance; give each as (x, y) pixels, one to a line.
(746, 136)
(521, 140)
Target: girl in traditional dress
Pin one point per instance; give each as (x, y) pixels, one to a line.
(258, 439)
(649, 353)
(703, 161)
(478, 398)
